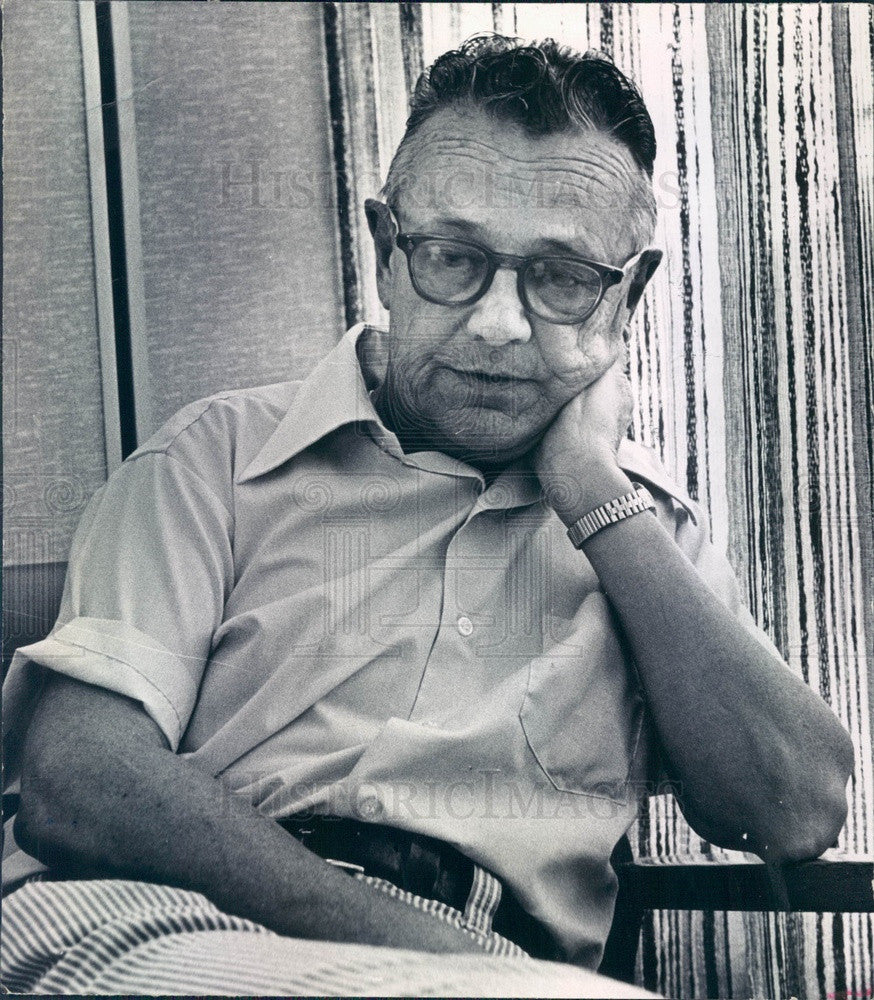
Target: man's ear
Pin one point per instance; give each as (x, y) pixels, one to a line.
(382, 231)
(646, 267)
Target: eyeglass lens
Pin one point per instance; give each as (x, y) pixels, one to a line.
(556, 289)
(451, 271)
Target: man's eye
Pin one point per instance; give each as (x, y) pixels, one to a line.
(452, 257)
(565, 279)
(560, 277)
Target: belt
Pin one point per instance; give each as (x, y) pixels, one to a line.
(422, 865)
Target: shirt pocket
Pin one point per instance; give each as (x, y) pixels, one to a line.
(582, 713)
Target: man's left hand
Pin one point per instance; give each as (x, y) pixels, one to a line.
(576, 459)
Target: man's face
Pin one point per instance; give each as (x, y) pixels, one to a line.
(484, 381)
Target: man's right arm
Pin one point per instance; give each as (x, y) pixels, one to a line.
(101, 789)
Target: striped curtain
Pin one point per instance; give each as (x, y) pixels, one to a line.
(752, 360)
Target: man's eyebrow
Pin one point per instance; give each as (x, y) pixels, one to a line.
(464, 226)
(560, 246)
(473, 230)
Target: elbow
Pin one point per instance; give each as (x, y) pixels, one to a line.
(810, 829)
(795, 809)
(807, 840)
(36, 831)
(45, 823)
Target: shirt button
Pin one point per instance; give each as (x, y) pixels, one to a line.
(465, 625)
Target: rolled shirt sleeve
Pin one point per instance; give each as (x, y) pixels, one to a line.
(149, 572)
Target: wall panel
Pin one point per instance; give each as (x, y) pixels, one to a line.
(236, 208)
(53, 428)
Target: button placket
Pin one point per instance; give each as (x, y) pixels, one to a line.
(464, 623)
(446, 669)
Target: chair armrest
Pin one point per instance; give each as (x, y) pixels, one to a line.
(835, 883)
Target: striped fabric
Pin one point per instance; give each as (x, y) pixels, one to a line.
(752, 360)
(116, 936)
(482, 904)
(483, 901)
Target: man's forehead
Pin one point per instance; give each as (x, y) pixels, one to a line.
(494, 138)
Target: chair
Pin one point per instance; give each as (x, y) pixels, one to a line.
(834, 883)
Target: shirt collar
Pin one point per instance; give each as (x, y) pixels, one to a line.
(518, 486)
(333, 394)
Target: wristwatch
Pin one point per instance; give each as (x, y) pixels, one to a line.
(610, 512)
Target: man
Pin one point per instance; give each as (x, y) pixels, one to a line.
(343, 619)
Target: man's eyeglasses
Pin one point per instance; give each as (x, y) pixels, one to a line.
(454, 272)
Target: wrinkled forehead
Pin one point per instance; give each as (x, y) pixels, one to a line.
(574, 185)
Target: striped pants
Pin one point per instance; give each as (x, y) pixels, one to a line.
(125, 937)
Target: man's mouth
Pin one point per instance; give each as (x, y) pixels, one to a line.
(490, 378)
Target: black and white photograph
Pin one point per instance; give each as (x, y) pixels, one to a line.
(438, 499)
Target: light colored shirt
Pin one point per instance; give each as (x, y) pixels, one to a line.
(326, 623)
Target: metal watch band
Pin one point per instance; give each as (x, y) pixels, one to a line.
(610, 512)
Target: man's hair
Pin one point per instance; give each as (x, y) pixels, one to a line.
(543, 87)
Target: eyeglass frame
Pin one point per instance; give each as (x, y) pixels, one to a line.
(608, 274)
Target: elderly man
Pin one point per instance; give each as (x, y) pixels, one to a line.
(425, 615)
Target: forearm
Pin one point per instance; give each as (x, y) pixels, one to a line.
(101, 789)
(761, 760)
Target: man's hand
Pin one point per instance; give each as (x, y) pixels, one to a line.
(576, 459)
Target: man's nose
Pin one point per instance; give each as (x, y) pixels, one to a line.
(499, 317)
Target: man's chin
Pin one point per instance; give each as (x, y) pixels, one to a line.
(480, 435)
(492, 442)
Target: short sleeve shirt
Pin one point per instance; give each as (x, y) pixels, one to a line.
(327, 623)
